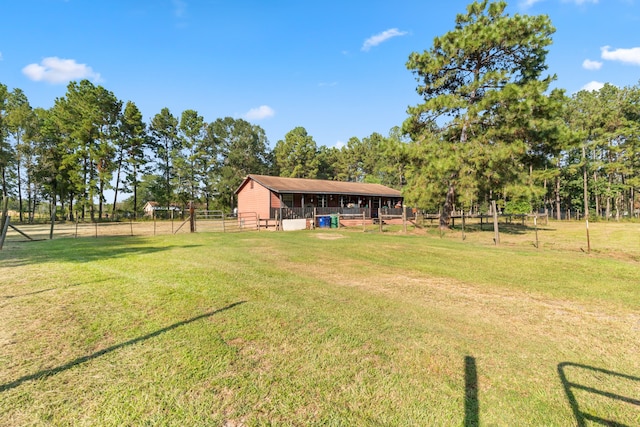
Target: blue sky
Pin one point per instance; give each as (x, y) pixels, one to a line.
(336, 68)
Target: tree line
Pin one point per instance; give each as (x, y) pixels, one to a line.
(490, 128)
(90, 142)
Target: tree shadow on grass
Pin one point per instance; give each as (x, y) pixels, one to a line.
(471, 402)
(41, 291)
(80, 360)
(570, 386)
(79, 250)
(514, 229)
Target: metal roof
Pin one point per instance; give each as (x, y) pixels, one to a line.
(320, 186)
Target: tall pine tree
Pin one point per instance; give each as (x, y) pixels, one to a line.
(488, 62)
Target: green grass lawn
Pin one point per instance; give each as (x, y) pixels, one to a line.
(320, 328)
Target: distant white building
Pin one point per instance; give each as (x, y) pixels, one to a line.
(150, 208)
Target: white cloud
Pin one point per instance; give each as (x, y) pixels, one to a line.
(339, 145)
(580, 2)
(0, 56)
(588, 64)
(528, 3)
(57, 70)
(628, 56)
(328, 84)
(382, 37)
(525, 4)
(262, 112)
(179, 8)
(592, 86)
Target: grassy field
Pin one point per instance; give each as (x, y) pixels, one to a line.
(331, 327)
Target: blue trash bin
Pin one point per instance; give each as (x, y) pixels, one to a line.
(324, 221)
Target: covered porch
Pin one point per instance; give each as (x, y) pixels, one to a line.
(293, 205)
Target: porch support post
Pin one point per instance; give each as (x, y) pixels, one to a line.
(280, 219)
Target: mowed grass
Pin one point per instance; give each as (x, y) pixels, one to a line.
(331, 327)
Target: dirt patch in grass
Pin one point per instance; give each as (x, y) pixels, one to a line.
(523, 317)
(328, 236)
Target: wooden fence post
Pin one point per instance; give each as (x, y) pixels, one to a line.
(588, 240)
(4, 226)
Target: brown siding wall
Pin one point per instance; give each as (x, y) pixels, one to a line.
(275, 200)
(254, 199)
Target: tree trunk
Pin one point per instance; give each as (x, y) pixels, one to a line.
(20, 190)
(32, 214)
(135, 201)
(135, 191)
(585, 191)
(496, 231)
(596, 196)
(71, 218)
(4, 183)
(608, 206)
(557, 194)
(85, 194)
(445, 215)
(53, 214)
(100, 194)
(31, 201)
(5, 198)
(115, 196)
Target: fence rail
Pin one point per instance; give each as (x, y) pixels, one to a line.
(219, 221)
(212, 221)
(204, 221)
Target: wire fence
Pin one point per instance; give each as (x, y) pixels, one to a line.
(203, 221)
(619, 238)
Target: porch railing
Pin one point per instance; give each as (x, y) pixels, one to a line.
(295, 213)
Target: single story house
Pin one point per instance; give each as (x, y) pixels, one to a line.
(272, 196)
(152, 208)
